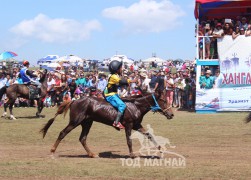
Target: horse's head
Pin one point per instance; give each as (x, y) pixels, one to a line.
(166, 108)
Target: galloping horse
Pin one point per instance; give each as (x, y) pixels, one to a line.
(88, 109)
(21, 90)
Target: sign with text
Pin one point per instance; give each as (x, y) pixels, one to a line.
(232, 87)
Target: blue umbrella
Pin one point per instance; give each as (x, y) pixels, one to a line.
(7, 54)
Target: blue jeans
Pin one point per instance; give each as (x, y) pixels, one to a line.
(116, 102)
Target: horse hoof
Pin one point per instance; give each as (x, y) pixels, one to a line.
(52, 156)
(4, 115)
(93, 155)
(12, 117)
(132, 155)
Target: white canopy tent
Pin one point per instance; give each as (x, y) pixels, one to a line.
(70, 58)
(122, 58)
(54, 65)
(154, 59)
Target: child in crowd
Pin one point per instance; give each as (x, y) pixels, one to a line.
(76, 97)
(67, 97)
(47, 102)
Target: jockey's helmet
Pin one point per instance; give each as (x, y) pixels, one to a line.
(25, 63)
(114, 66)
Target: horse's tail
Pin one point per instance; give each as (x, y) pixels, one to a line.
(2, 91)
(63, 108)
(248, 119)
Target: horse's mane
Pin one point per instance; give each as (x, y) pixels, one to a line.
(43, 76)
(131, 99)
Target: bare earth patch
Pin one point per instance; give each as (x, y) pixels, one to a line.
(215, 146)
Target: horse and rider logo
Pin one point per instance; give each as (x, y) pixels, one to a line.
(152, 145)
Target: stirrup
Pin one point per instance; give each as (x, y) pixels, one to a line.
(119, 125)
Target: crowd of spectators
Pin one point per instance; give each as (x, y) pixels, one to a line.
(75, 83)
(210, 30)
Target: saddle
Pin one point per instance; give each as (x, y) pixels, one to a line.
(34, 91)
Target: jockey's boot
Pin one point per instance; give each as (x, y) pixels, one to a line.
(117, 123)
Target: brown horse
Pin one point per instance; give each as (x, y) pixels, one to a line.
(21, 90)
(88, 109)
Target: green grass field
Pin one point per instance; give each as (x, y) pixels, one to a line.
(216, 146)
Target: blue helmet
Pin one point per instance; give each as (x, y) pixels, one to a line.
(114, 66)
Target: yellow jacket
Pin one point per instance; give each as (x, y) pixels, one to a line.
(112, 85)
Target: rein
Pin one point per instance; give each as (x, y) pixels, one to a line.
(156, 106)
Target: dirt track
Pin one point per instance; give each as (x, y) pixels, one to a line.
(215, 147)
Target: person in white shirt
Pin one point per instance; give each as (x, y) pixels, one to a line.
(122, 92)
(145, 82)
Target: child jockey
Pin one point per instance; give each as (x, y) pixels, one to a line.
(111, 90)
(27, 77)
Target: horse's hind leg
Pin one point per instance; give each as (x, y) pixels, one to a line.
(86, 125)
(128, 131)
(61, 136)
(11, 104)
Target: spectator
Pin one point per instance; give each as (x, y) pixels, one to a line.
(244, 23)
(248, 31)
(67, 97)
(72, 87)
(76, 97)
(47, 101)
(242, 31)
(180, 92)
(228, 29)
(236, 33)
(169, 89)
(208, 33)
(122, 91)
(145, 82)
(102, 82)
(207, 81)
(153, 81)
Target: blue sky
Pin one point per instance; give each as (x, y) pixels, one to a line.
(98, 29)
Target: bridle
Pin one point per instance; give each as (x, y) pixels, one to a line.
(156, 108)
(166, 109)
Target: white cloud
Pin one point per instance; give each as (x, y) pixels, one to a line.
(58, 30)
(147, 16)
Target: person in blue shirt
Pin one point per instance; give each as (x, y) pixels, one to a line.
(102, 82)
(27, 77)
(207, 81)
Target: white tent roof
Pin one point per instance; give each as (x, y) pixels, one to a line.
(69, 58)
(53, 65)
(121, 58)
(155, 59)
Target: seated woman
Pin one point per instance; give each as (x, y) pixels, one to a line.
(248, 31)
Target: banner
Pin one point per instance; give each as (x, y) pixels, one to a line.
(232, 88)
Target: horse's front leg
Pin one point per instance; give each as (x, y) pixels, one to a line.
(5, 105)
(128, 131)
(40, 106)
